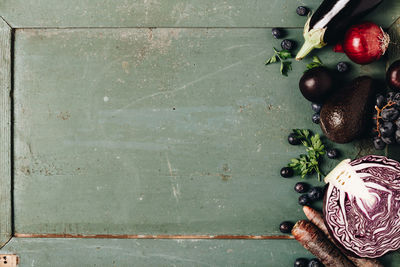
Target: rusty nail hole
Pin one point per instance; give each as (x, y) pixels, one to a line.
(173, 108)
(5, 262)
(5, 257)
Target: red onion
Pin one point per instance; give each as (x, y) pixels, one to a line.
(362, 205)
(365, 43)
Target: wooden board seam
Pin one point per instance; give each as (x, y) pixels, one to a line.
(110, 236)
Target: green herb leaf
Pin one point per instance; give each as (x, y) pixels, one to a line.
(286, 66)
(308, 164)
(316, 62)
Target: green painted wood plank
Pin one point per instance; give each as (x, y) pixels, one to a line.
(130, 252)
(5, 133)
(138, 131)
(168, 13)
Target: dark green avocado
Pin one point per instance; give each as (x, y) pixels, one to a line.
(344, 116)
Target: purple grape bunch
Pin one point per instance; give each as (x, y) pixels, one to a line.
(386, 120)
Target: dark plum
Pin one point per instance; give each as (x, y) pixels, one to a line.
(316, 84)
(393, 76)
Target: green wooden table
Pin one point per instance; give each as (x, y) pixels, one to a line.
(150, 133)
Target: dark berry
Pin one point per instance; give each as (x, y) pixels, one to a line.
(286, 227)
(342, 67)
(389, 114)
(389, 140)
(304, 200)
(315, 263)
(286, 172)
(380, 101)
(397, 136)
(293, 140)
(301, 187)
(316, 193)
(332, 153)
(301, 262)
(277, 33)
(386, 129)
(316, 107)
(397, 122)
(379, 144)
(390, 95)
(315, 118)
(302, 11)
(287, 44)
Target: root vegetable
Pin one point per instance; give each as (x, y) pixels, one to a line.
(315, 241)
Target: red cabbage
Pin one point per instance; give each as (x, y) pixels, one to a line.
(366, 225)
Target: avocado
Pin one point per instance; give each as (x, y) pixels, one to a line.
(344, 116)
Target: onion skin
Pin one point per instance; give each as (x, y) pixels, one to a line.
(393, 76)
(361, 230)
(365, 43)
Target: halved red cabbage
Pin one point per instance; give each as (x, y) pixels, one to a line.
(364, 227)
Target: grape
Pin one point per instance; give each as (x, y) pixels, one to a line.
(397, 136)
(380, 101)
(386, 129)
(389, 114)
(379, 144)
(390, 95)
(388, 140)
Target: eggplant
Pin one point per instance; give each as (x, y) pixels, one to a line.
(329, 23)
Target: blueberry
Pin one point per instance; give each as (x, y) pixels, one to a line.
(379, 144)
(301, 262)
(304, 200)
(293, 140)
(380, 101)
(287, 44)
(386, 129)
(316, 193)
(332, 153)
(315, 263)
(302, 11)
(301, 187)
(316, 107)
(315, 118)
(389, 114)
(342, 67)
(277, 33)
(389, 140)
(286, 172)
(286, 227)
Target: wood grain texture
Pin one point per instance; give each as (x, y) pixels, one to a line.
(168, 13)
(157, 131)
(5, 133)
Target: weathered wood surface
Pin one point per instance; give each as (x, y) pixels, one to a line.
(5, 133)
(168, 13)
(156, 131)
